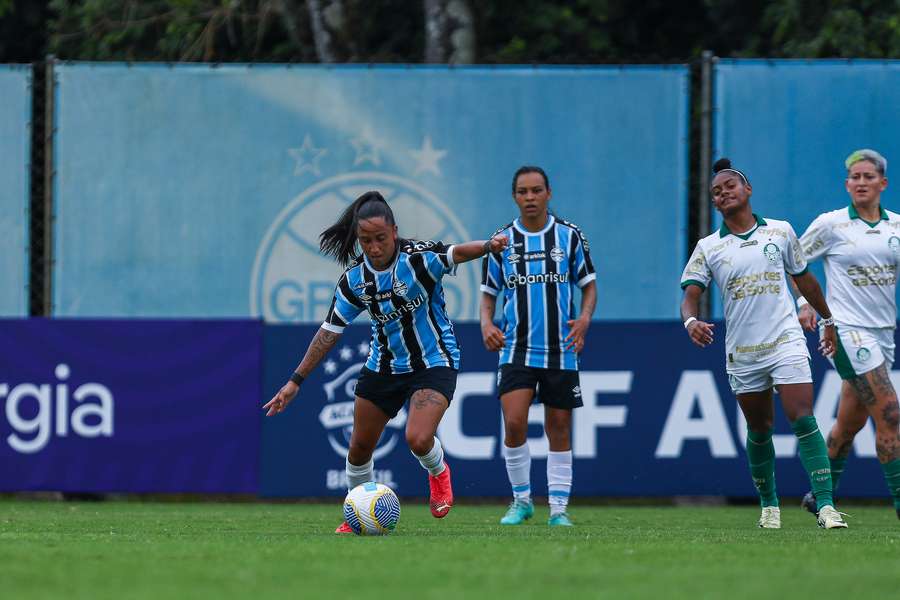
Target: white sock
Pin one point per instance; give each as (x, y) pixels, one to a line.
(518, 468)
(559, 480)
(357, 474)
(433, 460)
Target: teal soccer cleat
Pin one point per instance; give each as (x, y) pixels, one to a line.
(560, 520)
(518, 512)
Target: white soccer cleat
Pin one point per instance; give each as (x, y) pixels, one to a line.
(770, 518)
(830, 518)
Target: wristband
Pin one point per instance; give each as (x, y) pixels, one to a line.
(297, 378)
(487, 246)
(826, 322)
(689, 321)
(801, 302)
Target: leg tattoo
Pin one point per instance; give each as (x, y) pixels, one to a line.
(863, 391)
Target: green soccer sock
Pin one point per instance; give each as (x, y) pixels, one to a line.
(892, 476)
(837, 469)
(814, 456)
(761, 456)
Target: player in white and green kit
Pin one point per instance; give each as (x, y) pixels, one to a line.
(860, 245)
(750, 258)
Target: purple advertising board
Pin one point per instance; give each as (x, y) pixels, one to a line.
(130, 406)
(659, 420)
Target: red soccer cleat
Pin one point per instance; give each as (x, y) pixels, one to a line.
(343, 528)
(441, 493)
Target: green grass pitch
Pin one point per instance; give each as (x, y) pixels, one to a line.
(208, 550)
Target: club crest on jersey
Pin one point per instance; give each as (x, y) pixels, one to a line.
(894, 244)
(772, 252)
(557, 254)
(513, 258)
(863, 354)
(399, 288)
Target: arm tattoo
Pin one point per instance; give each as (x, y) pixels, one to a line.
(320, 345)
(424, 398)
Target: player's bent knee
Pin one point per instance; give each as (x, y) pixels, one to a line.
(419, 443)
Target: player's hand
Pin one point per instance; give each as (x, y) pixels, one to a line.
(497, 243)
(807, 317)
(828, 341)
(701, 333)
(280, 400)
(575, 338)
(493, 337)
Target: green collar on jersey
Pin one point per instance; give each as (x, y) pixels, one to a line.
(723, 230)
(855, 215)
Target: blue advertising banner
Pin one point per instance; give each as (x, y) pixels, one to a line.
(659, 419)
(130, 406)
(789, 124)
(196, 191)
(15, 146)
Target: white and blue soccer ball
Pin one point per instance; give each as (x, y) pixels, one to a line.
(371, 509)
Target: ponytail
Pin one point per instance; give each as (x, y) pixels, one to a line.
(339, 240)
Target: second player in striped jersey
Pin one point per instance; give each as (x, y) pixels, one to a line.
(540, 338)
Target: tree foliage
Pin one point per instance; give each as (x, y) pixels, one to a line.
(505, 31)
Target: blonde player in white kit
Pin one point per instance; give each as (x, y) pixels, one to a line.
(860, 245)
(750, 258)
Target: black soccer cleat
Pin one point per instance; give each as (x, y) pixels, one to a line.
(809, 503)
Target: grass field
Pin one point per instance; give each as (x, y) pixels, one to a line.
(197, 550)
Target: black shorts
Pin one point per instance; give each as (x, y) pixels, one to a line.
(557, 388)
(390, 392)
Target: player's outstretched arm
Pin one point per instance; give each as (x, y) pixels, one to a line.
(701, 333)
(471, 250)
(809, 287)
(319, 347)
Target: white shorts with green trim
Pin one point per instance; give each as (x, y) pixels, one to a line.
(862, 349)
(792, 369)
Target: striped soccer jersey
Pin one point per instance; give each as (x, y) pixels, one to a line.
(861, 260)
(410, 327)
(536, 275)
(751, 269)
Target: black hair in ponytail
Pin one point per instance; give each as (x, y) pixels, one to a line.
(339, 240)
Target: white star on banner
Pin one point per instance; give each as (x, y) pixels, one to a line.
(427, 157)
(367, 148)
(346, 353)
(363, 348)
(330, 366)
(307, 157)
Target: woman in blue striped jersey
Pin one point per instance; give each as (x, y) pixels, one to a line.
(540, 339)
(413, 354)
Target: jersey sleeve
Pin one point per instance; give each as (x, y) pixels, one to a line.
(817, 239)
(345, 307)
(491, 274)
(438, 257)
(697, 271)
(580, 263)
(794, 257)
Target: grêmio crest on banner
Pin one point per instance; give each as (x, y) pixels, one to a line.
(292, 282)
(336, 416)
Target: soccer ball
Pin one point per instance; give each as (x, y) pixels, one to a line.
(371, 509)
